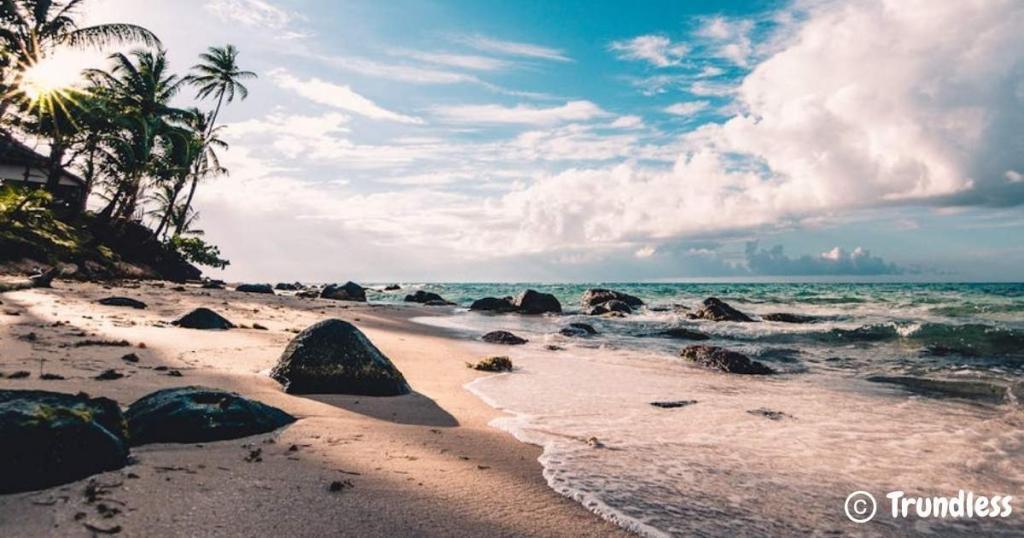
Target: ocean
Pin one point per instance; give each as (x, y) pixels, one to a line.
(890, 387)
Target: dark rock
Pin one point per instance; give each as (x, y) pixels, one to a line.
(334, 357)
(725, 360)
(284, 286)
(427, 298)
(534, 302)
(609, 307)
(596, 296)
(782, 317)
(203, 318)
(51, 438)
(308, 294)
(122, 301)
(769, 414)
(20, 374)
(493, 364)
(971, 390)
(552, 347)
(199, 415)
(715, 310)
(578, 329)
(673, 404)
(681, 333)
(109, 375)
(350, 291)
(51, 377)
(493, 304)
(503, 337)
(209, 284)
(392, 287)
(255, 288)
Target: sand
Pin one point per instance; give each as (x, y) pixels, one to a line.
(426, 464)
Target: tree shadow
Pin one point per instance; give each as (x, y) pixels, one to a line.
(413, 409)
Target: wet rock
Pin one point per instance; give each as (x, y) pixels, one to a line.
(109, 375)
(504, 338)
(493, 304)
(596, 296)
(123, 301)
(427, 298)
(493, 364)
(610, 307)
(255, 288)
(783, 317)
(350, 291)
(673, 404)
(334, 357)
(945, 388)
(392, 287)
(578, 329)
(204, 319)
(51, 438)
(716, 310)
(717, 358)
(682, 333)
(285, 286)
(199, 415)
(534, 302)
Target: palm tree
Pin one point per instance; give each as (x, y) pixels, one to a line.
(217, 75)
(196, 159)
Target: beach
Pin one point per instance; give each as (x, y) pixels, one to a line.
(426, 463)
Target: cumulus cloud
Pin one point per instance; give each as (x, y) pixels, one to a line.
(730, 38)
(252, 13)
(520, 114)
(337, 96)
(688, 108)
(656, 50)
(774, 262)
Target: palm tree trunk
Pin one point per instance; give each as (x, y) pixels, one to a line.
(195, 176)
(165, 219)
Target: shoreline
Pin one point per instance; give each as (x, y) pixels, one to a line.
(425, 463)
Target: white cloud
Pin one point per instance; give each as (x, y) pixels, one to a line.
(730, 38)
(657, 50)
(513, 48)
(627, 122)
(461, 61)
(520, 114)
(252, 13)
(337, 96)
(688, 108)
(1014, 176)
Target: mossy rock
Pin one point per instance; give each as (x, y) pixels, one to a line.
(334, 357)
(50, 438)
(493, 364)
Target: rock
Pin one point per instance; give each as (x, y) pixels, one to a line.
(609, 307)
(716, 310)
(787, 318)
(493, 304)
(392, 287)
(51, 438)
(109, 375)
(769, 414)
(504, 338)
(725, 360)
(973, 390)
(534, 302)
(284, 286)
(427, 298)
(308, 294)
(673, 404)
(203, 318)
(209, 284)
(350, 291)
(493, 364)
(681, 333)
(122, 301)
(596, 296)
(255, 288)
(199, 415)
(578, 329)
(334, 357)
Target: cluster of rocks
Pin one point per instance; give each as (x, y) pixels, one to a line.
(725, 360)
(529, 302)
(427, 298)
(598, 301)
(255, 288)
(349, 291)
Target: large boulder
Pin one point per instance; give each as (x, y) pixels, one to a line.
(199, 415)
(122, 301)
(204, 319)
(427, 298)
(504, 338)
(334, 357)
(49, 438)
(716, 310)
(609, 307)
(717, 358)
(596, 296)
(350, 291)
(255, 288)
(493, 304)
(534, 302)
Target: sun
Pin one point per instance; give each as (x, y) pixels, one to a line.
(53, 74)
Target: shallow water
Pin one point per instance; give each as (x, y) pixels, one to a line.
(720, 466)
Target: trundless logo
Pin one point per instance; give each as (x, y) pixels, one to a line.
(861, 506)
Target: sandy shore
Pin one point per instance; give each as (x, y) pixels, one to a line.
(426, 464)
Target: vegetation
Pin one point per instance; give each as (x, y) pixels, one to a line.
(492, 364)
(120, 128)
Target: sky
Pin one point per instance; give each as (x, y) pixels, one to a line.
(612, 141)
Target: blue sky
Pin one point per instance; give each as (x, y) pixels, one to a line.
(529, 140)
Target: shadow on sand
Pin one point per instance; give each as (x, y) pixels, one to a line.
(412, 409)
